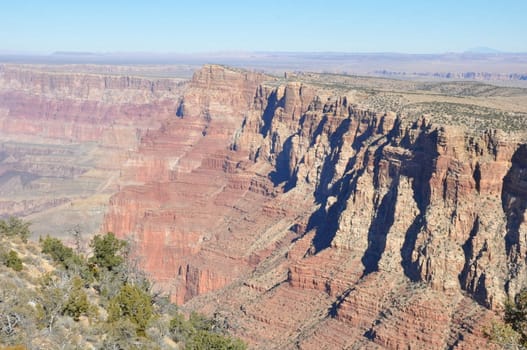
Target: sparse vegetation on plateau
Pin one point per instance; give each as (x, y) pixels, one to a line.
(476, 117)
(475, 105)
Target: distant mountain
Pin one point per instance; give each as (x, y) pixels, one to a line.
(74, 53)
(483, 49)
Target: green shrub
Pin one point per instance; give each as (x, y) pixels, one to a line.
(12, 260)
(77, 303)
(134, 304)
(516, 315)
(199, 332)
(13, 227)
(57, 250)
(502, 333)
(108, 251)
(121, 334)
(180, 328)
(66, 257)
(206, 340)
(513, 332)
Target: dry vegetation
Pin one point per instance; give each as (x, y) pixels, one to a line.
(56, 297)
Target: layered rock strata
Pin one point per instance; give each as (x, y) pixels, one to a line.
(65, 138)
(306, 220)
(299, 217)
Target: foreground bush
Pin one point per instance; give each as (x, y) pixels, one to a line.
(513, 332)
(108, 251)
(14, 227)
(133, 304)
(12, 260)
(99, 301)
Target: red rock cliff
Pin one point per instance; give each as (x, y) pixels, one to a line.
(309, 222)
(193, 184)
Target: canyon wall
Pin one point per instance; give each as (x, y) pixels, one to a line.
(194, 185)
(286, 209)
(82, 107)
(309, 222)
(65, 137)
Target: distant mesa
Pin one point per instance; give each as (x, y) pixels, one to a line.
(74, 53)
(483, 50)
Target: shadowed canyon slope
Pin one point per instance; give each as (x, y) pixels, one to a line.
(302, 209)
(309, 221)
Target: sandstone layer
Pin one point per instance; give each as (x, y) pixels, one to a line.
(65, 137)
(308, 221)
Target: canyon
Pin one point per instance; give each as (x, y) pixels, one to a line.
(65, 137)
(305, 211)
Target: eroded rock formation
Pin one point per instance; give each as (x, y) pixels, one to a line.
(307, 220)
(65, 137)
(302, 218)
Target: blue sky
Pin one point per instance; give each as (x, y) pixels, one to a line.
(424, 26)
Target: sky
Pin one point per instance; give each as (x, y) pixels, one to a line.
(163, 26)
